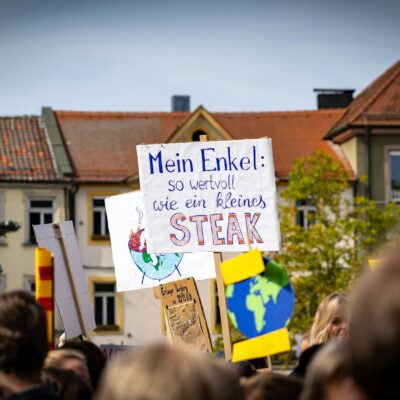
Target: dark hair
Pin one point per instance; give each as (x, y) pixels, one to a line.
(23, 333)
(374, 330)
(66, 384)
(271, 386)
(305, 360)
(95, 358)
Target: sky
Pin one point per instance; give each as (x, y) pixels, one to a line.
(249, 55)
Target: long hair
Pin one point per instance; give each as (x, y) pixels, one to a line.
(324, 317)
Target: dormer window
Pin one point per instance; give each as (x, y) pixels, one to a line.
(196, 135)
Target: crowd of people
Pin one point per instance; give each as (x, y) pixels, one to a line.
(350, 353)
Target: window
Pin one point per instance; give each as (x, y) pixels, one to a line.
(40, 212)
(394, 176)
(196, 135)
(29, 284)
(99, 219)
(105, 305)
(305, 213)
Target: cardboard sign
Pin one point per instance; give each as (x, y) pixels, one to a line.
(209, 196)
(135, 268)
(184, 315)
(70, 292)
(260, 302)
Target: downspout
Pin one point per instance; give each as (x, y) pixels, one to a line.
(71, 202)
(369, 166)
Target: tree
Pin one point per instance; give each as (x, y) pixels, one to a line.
(341, 233)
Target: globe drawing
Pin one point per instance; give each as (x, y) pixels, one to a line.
(153, 266)
(263, 303)
(158, 267)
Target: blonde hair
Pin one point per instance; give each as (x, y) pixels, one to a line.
(165, 372)
(324, 317)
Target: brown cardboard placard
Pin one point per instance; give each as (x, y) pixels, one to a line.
(184, 313)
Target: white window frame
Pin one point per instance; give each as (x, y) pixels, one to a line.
(41, 210)
(391, 150)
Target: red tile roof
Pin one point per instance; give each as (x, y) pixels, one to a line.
(377, 105)
(25, 152)
(294, 134)
(102, 146)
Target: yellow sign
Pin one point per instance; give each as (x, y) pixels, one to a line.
(242, 267)
(261, 346)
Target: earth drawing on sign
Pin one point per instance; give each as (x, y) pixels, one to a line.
(263, 303)
(153, 266)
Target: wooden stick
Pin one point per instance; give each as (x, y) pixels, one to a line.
(223, 310)
(226, 333)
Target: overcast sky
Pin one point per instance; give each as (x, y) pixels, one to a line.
(231, 55)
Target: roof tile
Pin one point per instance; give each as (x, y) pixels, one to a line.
(25, 151)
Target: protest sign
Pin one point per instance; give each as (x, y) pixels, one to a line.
(184, 315)
(260, 303)
(70, 291)
(209, 196)
(134, 267)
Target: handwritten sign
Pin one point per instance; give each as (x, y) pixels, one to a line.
(135, 267)
(209, 196)
(184, 315)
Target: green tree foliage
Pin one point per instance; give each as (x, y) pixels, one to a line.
(342, 232)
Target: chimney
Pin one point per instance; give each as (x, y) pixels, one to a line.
(180, 103)
(334, 98)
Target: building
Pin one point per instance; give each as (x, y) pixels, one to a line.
(102, 151)
(33, 189)
(92, 155)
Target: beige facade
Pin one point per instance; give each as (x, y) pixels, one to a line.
(17, 251)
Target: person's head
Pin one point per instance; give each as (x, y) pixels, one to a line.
(166, 372)
(329, 375)
(270, 386)
(66, 384)
(23, 334)
(330, 322)
(305, 360)
(70, 360)
(374, 330)
(95, 358)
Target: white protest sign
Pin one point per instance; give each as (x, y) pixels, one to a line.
(209, 196)
(134, 267)
(46, 237)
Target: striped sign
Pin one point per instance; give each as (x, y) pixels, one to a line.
(44, 272)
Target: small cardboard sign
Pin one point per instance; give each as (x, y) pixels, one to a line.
(184, 315)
